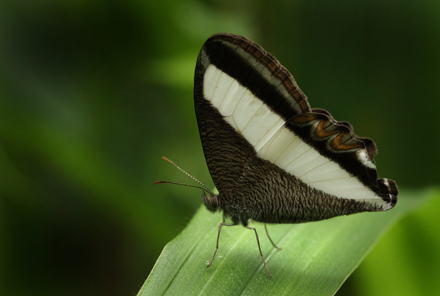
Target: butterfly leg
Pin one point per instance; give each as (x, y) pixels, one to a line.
(218, 237)
(273, 244)
(261, 253)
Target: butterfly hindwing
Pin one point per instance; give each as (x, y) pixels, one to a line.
(268, 152)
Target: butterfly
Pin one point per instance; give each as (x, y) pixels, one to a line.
(273, 158)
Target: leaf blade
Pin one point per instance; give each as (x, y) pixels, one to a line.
(316, 257)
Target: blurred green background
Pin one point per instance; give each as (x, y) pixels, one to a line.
(93, 93)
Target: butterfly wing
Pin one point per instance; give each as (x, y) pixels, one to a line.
(257, 128)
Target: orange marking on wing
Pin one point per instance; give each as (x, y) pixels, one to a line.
(336, 144)
(322, 133)
(304, 118)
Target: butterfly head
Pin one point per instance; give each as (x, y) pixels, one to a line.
(211, 201)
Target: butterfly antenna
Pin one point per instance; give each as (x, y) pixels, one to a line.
(203, 187)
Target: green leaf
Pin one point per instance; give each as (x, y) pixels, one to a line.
(316, 257)
(414, 261)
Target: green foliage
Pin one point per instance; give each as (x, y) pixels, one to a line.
(93, 93)
(408, 257)
(316, 257)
